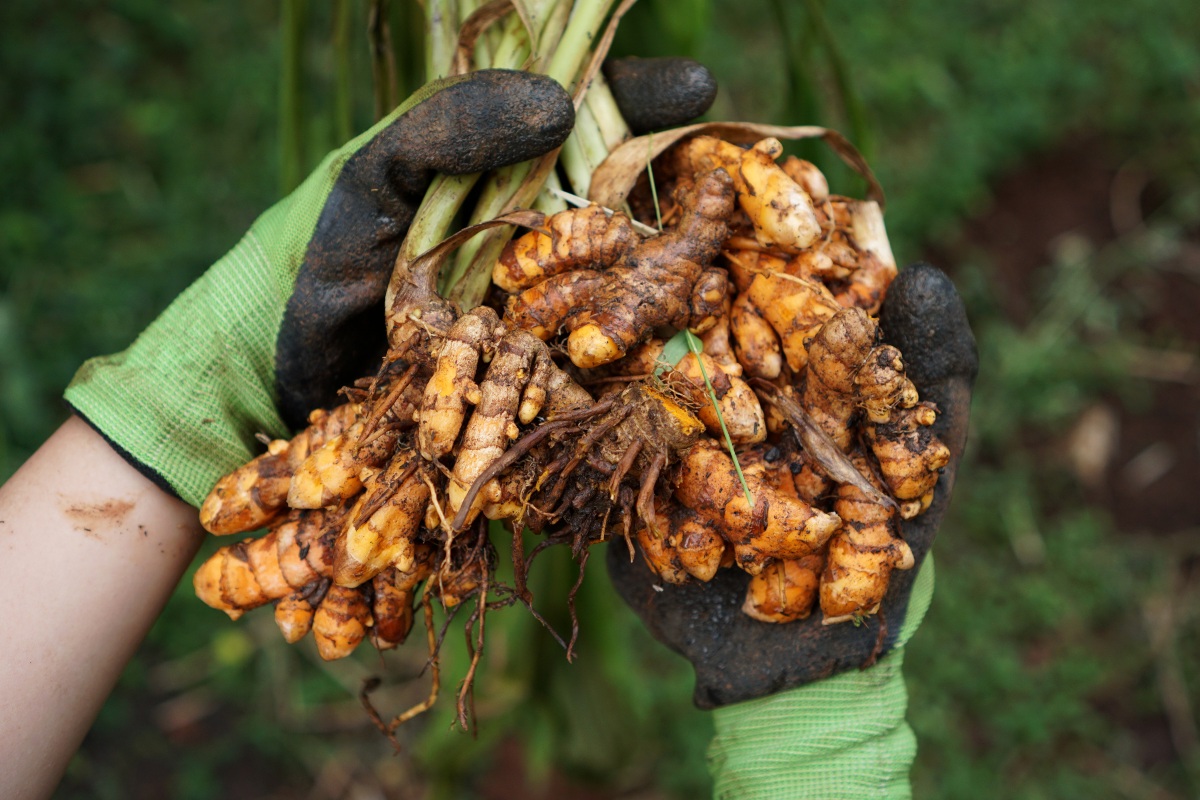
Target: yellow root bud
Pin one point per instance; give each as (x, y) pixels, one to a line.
(910, 456)
(383, 524)
(796, 308)
(781, 211)
(340, 622)
(444, 405)
(329, 475)
(742, 412)
(578, 238)
(862, 555)
(784, 591)
(755, 342)
(294, 616)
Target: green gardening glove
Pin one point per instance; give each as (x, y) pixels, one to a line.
(295, 311)
(797, 715)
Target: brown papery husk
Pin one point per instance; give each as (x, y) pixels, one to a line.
(832, 461)
(616, 176)
(479, 21)
(412, 291)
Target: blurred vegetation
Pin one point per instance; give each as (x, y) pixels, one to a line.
(1060, 657)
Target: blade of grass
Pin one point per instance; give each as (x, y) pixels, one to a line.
(441, 37)
(650, 173)
(694, 345)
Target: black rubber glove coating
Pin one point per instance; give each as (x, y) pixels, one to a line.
(657, 93)
(737, 658)
(332, 329)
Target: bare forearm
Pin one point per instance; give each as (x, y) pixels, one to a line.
(91, 552)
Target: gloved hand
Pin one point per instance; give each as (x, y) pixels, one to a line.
(839, 728)
(295, 310)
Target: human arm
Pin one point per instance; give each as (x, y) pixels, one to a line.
(94, 534)
(91, 551)
(242, 352)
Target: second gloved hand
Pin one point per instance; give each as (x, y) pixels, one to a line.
(805, 710)
(737, 658)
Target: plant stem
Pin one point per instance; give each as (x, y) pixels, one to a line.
(573, 48)
(471, 272)
(599, 127)
(547, 202)
(293, 23)
(576, 164)
(438, 209)
(513, 51)
(441, 37)
(603, 107)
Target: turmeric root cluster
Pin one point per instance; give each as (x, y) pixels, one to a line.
(786, 441)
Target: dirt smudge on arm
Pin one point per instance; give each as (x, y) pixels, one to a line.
(93, 519)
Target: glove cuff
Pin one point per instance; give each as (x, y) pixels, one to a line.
(919, 600)
(187, 398)
(841, 737)
(184, 402)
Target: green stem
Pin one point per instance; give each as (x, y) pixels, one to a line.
(550, 35)
(293, 24)
(603, 106)
(513, 51)
(576, 43)
(483, 56)
(441, 204)
(575, 163)
(441, 37)
(547, 202)
(599, 127)
(472, 271)
(439, 207)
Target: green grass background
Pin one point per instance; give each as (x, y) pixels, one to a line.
(139, 139)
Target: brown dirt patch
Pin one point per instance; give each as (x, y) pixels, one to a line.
(92, 518)
(1084, 188)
